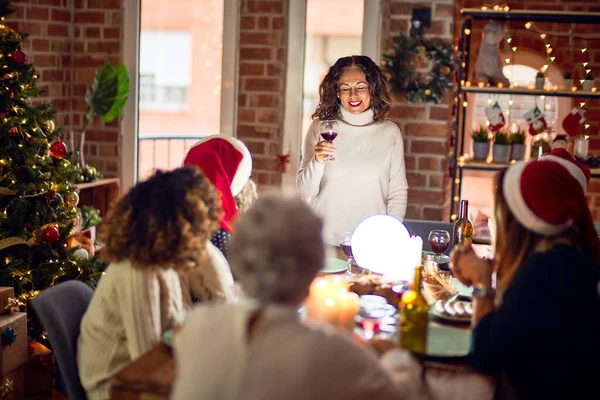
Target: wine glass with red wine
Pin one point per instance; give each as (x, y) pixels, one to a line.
(439, 242)
(329, 131)
(346, 247)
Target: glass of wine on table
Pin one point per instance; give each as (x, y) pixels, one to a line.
(329, 131)
(438, 242)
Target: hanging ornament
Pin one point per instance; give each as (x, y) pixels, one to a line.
(573, 122)
(72, 199)
(495, 116)
(57, 200)
(50, 234)
(18, 57)
(58, 149)
(536, 120)
(50, 125)
(13, 131)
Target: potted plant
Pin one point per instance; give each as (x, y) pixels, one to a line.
(588, 82)
(568, 77)
(540, 79)
(517, 145)
(481, 143)
(501, 149)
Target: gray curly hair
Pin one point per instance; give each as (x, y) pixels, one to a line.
(277, 249)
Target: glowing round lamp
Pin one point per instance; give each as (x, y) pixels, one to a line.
(378, 243)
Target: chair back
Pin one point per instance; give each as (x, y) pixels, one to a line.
(61, 308)
(422, 228)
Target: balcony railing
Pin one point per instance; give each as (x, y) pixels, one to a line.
(162, 152)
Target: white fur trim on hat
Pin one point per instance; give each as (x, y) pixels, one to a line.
(244, 170)
(511, 188)
(573, 169)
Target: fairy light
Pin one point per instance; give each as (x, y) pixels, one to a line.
(552, 59)
(467, 31)
(457, 181)
(583, 50)
(543, 36)
(582, 104)
(514, 49)
(528, 25)
(465, 104)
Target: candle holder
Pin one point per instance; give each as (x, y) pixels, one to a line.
(582, 145)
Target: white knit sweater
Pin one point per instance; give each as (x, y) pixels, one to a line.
(367, 178)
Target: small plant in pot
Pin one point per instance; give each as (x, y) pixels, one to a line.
(540, 79)
(517, 145)
(501, 149)
(481, 143)
(568, 77)
(588, 82)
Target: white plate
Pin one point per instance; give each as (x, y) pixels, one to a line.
(334, 266)
(447, 341)
(449, 318)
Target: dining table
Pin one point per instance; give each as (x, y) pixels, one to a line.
(151, 376)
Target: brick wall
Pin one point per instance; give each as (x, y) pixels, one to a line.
(68, 40)
(566, 59)
(261, 91)
(425, 126)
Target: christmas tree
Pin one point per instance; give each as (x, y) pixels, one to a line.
(38, 199)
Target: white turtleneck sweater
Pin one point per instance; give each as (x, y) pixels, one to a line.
(367, 178)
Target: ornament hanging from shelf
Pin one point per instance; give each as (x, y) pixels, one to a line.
(573, 122)
(536, 120)
(495, 117)
(282, 161)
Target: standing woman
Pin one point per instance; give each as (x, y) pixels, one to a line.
(368, 176)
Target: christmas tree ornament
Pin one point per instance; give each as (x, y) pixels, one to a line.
(58, 149)
(536, 120)
(50, 195)
(495, 117)
(13, 131)
(573, 122)
(50, 125)
(50, 234)
(18, 57)
(71, 199)
(6, 33)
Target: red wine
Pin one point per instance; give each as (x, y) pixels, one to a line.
(329, 136)
(347, 249)
(437, 246)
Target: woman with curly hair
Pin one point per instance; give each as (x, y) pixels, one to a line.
(160, 226)
(368, 176)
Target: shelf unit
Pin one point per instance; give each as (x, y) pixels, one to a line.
(468, 15)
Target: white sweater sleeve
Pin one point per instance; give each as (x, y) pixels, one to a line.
(141, 309)
(308, 179)
(397, 197)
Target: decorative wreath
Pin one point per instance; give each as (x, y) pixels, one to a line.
(410, 52)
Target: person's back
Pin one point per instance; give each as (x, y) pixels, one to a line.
(545, 333)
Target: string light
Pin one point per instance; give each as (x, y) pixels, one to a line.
(528, 25)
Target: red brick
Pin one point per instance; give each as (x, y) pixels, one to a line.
(426, 130)
(435, 181)
(402, 8)
(416, 180)
(41, 45)
(429, 163)
(441, 113)
(407, 112)
(38, 13)
(275, 69)
(443, 11)
(92, 32)
(263, 84)
(246, 115)
(104, 4)
(413, 212)
(265, 6)
(255, 53)
(111, 33)
(242, 100)
(104, 47)
(433, 214)
(410, 162)
(260, 38)
(45, 60)
(263, 22)
(265, 100)
(247, 22)
(60, 15)
(92, 17)
(255, 147)
(251, 69)
(422, 196)
(268, 116)
(58, 30)
(53, 75)
(427, 147)
(277, 23)
(399, 26)
(102, 135)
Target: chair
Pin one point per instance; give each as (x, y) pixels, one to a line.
(61, 308)
(422, 228)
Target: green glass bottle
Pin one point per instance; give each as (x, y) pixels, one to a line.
(414, 317)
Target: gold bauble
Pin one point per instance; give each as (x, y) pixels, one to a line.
(50, 125)
(445, 70)
(427, 92)
(71, 199)
(5, 32)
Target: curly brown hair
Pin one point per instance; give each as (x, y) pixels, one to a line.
(379, 89)
(164, 221)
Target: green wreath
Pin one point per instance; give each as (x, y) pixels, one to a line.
(401, 68)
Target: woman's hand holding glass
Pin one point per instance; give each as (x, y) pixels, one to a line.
(468, 268)
(323, 150)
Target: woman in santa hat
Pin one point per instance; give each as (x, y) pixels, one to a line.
(542, 318)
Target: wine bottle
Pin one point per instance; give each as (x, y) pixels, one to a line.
(414, 317)
(463, 228)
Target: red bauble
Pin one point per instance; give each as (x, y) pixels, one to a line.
(14, 131)
(50, 234)
(58, 149)
(18, 57)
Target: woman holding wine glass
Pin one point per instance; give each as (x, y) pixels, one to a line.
(353, 160)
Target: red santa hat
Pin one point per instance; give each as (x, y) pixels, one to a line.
(547, 196)
(227, 163)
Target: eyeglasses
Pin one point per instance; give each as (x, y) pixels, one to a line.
(358, 90)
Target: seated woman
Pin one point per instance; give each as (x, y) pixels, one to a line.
(227, 163)
(258, 349)
(160, 225)
(543, 322)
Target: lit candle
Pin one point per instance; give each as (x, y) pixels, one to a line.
(330, 301)
(582, 144)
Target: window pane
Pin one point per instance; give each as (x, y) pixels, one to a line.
(180, 79)
(333, 29)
